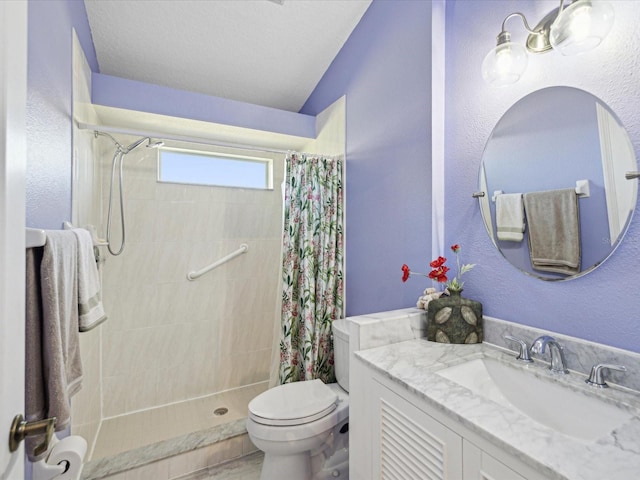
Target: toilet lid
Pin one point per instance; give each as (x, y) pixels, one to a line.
(293, 403)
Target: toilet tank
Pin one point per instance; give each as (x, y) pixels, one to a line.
(341, 352)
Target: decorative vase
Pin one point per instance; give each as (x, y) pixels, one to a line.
(454, 319)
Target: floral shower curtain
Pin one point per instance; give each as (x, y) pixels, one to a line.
(312, 274)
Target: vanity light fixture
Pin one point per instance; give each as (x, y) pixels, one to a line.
(578, 28)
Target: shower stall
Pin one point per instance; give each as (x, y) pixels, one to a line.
(168, 376)
(177, 360)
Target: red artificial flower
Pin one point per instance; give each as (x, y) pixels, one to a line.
(405, 272)
(439, 274)
(439, 270)
(438, 262)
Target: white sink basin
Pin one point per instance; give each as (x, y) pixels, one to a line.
(558, 407)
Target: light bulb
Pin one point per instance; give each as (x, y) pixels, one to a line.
(504, 64)
(581, 26)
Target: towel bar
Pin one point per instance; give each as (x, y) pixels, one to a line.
(35, 237)
(582, 188)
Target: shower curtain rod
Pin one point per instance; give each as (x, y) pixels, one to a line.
(178, 138)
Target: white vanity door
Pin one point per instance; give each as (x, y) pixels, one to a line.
(479, 465)
(409, 444)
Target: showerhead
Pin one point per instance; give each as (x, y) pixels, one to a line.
(150, 144)
(134, 145)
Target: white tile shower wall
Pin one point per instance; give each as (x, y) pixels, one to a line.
(86, 405)
(169, 339)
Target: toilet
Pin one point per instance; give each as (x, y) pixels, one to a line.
(303, 427)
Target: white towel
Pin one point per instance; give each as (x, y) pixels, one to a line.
(90, 309)
(510, 217)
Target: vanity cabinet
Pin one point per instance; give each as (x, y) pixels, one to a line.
(396, 435)
(479, 465)
(409, 443)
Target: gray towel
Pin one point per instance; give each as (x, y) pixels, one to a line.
(554, 230)
(35, 399)
(53, 364)
(90, 310)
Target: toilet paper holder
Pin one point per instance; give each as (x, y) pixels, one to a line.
(64, 461)
(20, 429)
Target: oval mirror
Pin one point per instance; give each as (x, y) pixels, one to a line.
(551, 141)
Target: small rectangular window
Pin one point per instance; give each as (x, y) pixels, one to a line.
(216, 169)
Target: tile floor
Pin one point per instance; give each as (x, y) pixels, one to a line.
(245, 468)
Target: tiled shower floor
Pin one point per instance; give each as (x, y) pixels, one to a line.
(138, 438)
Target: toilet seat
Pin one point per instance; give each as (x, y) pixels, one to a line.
(295, 403)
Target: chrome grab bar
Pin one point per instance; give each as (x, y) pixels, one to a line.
(193, 275)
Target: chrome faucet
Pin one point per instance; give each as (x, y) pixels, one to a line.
(558, 363)
(523, 356)
(596, 379)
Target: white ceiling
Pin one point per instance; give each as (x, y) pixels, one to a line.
(255, 51)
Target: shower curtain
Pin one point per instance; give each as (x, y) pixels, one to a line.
(312, 261)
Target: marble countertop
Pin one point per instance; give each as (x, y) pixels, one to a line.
(413, 365)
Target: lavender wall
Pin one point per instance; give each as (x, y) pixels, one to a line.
(145, 97)
(49, 156)
(384, 69)
(602, 306)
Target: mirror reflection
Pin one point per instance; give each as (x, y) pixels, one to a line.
(556, 201)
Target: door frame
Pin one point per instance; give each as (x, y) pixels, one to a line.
(13, 161)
